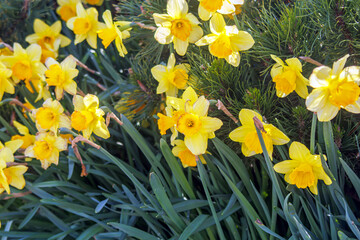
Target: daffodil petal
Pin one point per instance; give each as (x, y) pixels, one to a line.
(239, 134)
(286, 166)
(246, 116)
(196, 143)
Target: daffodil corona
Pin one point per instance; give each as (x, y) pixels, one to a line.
(171, 77)
(303, 169)
(226, 41)
(88, 117)
(67, 9)
(247, 134)
(112, 32)
(288, 77)
(334, 89)
(85, 25)
(177, 26)
(61, 76)
(187, 158)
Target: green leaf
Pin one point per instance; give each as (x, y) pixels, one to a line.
(100, 205)
(90, 232)
(29, 216)
(192, 227)
(354, 179)
(133, 232)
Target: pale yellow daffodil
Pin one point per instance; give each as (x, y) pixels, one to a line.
(51, 116)
(226, 41)
(288, 77)
(247, 135)
(334, 89)
(85, 25)
(5, 84)
(177, 26)
(46, 148)
(46, 35)
(171, 77)
(208, 7)
(67, 9)
(112, 32)
(61, 76)
(303, 169)
(12, 175)
(88, 117)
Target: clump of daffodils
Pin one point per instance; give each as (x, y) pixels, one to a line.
(334, 88)
(177, 26)
(288, 78)
(226, 41)
(303, 169)
(247, 134)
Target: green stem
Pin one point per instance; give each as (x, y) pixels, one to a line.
(312, 136)
(330, 148)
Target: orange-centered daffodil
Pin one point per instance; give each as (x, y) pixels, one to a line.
(334, 89)
(226, 41)
(303, 169)
(288, 77)
(67, 9)
(177, 26)
(247, 134)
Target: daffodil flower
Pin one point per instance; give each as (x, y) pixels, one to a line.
(5, 83)
(171, 77)
(177, 26)
(247, 134)
(192, 121)
(11, 175)
(67, 9)
(46, 148)
(288, 77)
(187, 158)
(112, 32)
(88, 117)
(208, 7)
(303, 169)
(334, 89)
(61, 76)
(85, 25)
(46, 35)
(226, 41)
(25, 63)
(25, 136)
(95, 2)
(50, 116)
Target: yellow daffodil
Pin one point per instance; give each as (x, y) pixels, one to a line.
(50, 116)
(192, 121)
(38, 85)
(50, 52)
(61, 76)
(25, 136)
(171, 77)
(5, 51)
(303, 169)
(288, 77)
(95, 2)
(46, 148)
(112, 32)
(10, 175)
(88, 117)
(187, 158)
(334, 89)
(177, 26)
(85, 25)
(25, 63)
(226, 41)
(247, 135)
(67, 9)
(5, 83)
(46, 35)
(208, 7)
